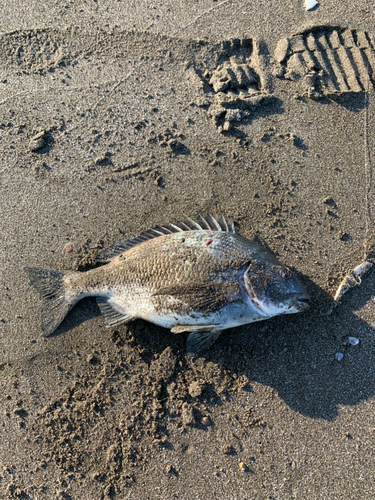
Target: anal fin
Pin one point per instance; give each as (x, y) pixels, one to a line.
(110, 315)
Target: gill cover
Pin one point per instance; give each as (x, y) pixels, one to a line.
(273, 288)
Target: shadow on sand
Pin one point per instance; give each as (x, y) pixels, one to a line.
(295, 354)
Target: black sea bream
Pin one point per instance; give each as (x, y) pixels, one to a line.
(198, 277)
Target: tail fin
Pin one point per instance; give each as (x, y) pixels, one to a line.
(56, 305)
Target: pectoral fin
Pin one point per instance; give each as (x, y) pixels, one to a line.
(110, 315)
(199, 340)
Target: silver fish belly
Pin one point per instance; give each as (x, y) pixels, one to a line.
(198, 277)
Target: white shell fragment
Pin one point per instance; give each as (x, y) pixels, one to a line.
(339, 356)
(353, 341)
(310, 4)
(361, 269)
(352, 279)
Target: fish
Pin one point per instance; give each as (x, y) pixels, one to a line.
(200, 277)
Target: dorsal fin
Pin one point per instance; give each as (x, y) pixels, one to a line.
(208, 223)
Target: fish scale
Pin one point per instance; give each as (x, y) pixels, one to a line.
(199, 277)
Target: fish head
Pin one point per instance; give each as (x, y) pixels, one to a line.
(273, 288)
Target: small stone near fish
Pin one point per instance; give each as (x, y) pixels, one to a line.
(311, 4)
(68, 248)
(38, 141)
(206, 421)
(243, 467)
(353, 341)
(339, 356)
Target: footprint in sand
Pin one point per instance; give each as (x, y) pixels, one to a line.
(237, 84)
(327, 61)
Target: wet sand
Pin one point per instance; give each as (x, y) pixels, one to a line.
(116, 118)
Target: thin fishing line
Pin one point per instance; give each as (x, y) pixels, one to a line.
(367, 166)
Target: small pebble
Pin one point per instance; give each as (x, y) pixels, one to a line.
(38, 141)
(69, 249)
(353, 340)
(339, 356)
(243, 467)
(310, 4)
(206, 421)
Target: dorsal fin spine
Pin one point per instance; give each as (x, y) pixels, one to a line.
(214, 225)
(208, 223)
(178, 229)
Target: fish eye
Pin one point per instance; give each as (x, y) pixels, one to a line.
(283, 273)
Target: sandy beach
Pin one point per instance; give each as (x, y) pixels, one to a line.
(118, 116)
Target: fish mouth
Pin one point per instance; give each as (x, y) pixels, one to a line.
(298, 303)
(302, 302)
